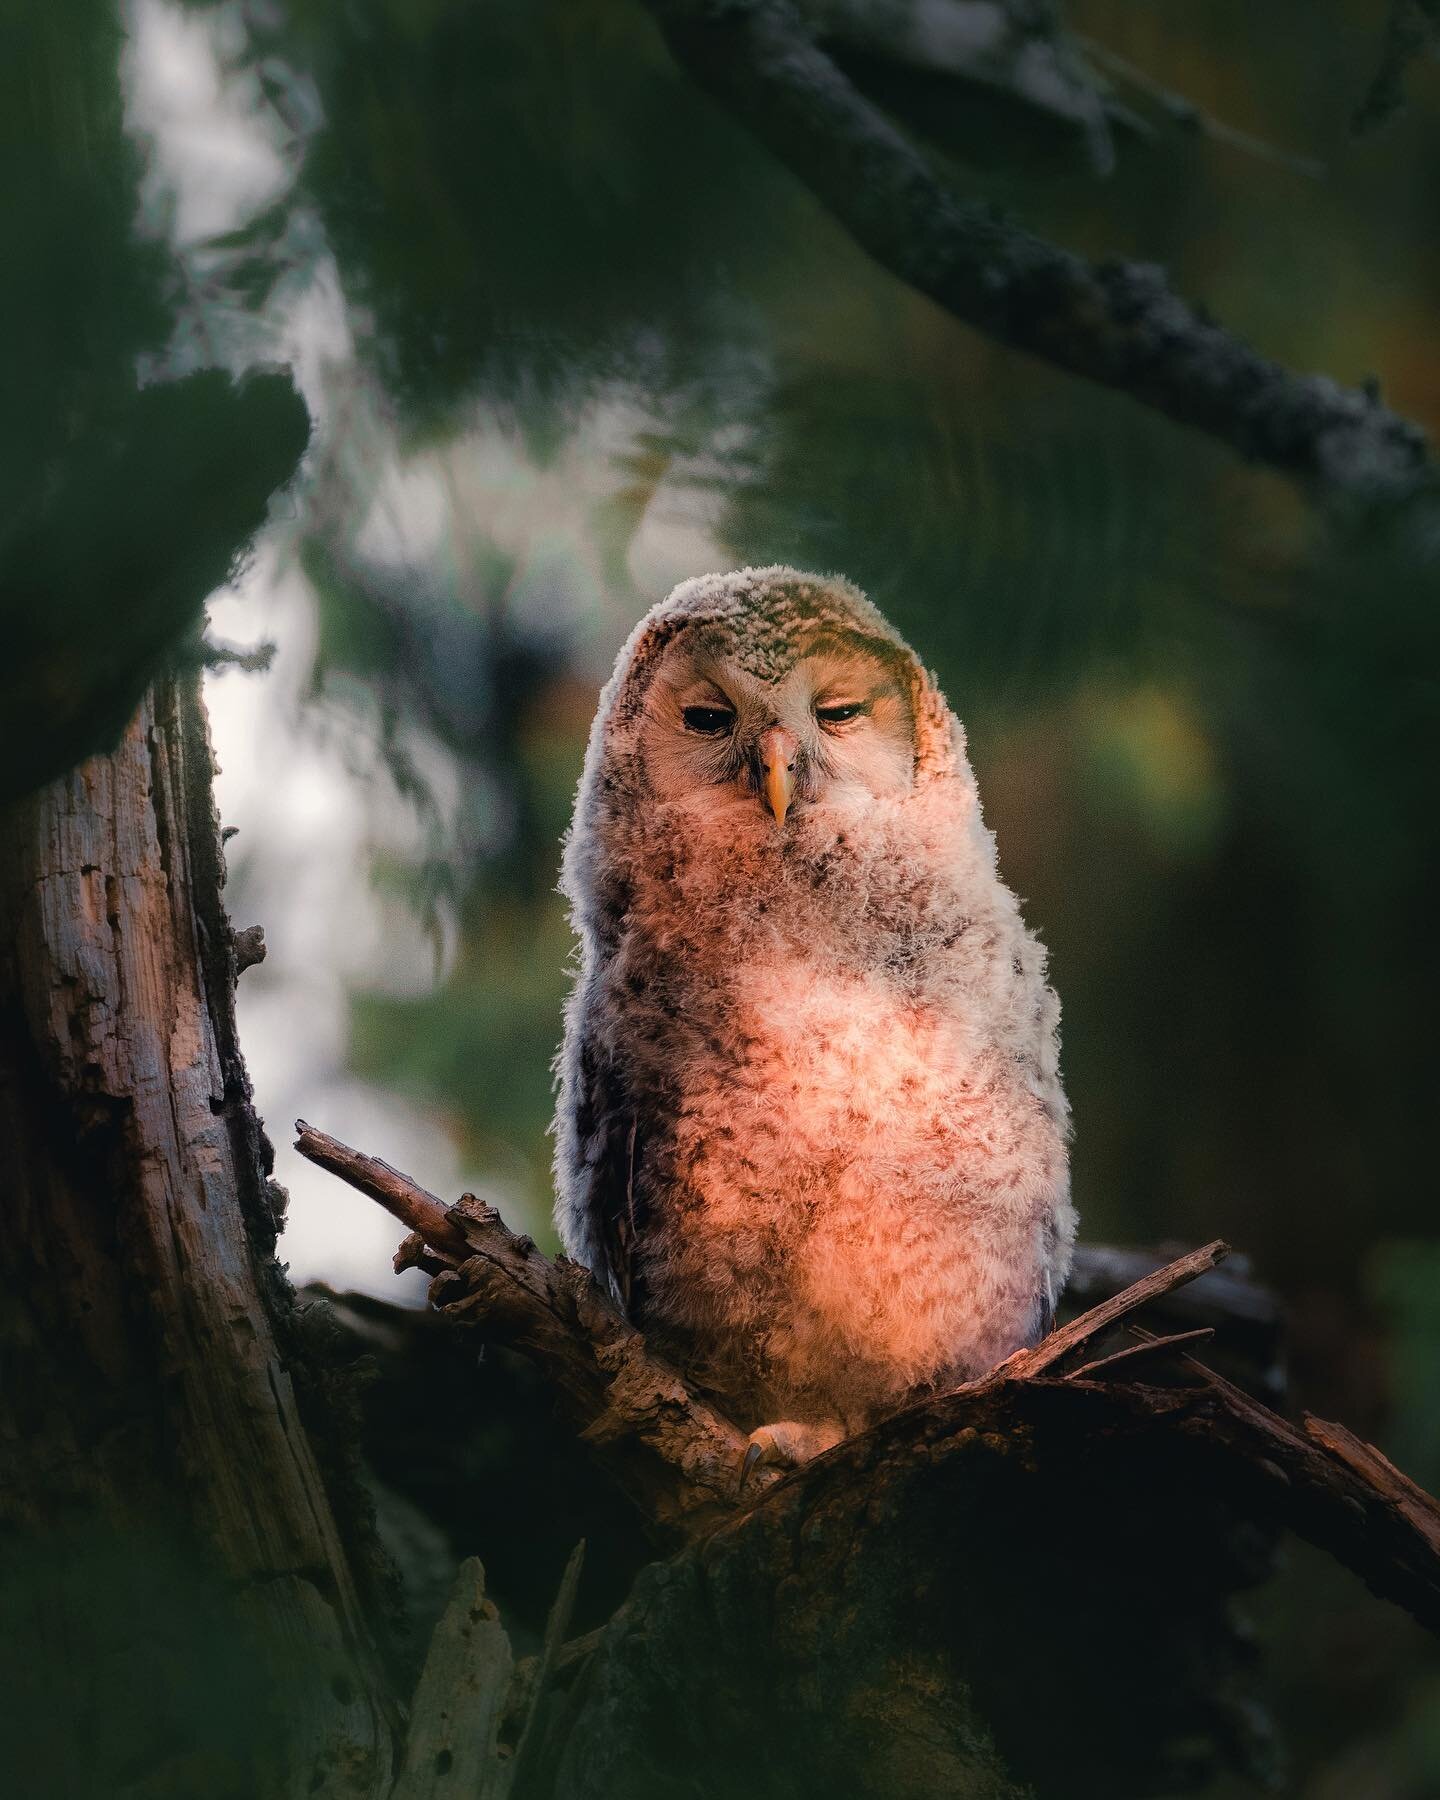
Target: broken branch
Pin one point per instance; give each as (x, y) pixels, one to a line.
(671, 1451)
(1024, 1365)
(405, 1199)
(678, 1457)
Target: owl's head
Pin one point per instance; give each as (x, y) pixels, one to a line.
(737, 717)
(763, 711)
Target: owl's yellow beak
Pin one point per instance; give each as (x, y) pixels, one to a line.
(777, 769)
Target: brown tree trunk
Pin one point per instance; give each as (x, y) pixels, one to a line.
(178, 1611)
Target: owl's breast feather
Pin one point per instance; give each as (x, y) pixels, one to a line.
(820, 1052)
(820, 1088)
(863, 1184)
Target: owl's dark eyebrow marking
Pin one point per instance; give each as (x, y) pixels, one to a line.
(844, 693)
(888, 662)
(831, 643)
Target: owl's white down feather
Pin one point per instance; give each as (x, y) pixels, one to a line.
(810, 1124)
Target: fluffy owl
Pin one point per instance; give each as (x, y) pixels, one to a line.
(810, 1128)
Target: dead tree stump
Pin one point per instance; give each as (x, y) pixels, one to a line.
(182, 1612)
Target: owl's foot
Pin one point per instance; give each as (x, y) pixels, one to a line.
(786, 1443)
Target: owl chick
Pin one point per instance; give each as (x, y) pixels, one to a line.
(810, 1127)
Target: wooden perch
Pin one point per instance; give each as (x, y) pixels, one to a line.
(678, 1457)
(948, 1559)
(673, 1453)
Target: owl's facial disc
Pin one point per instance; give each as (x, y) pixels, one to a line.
(718, 734)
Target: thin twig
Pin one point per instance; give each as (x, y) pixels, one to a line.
(1190, 117)
(1024, 1365)
(1147, 1344)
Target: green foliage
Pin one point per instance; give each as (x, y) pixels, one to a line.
(126, 503)
(529, 197)
(142, 515)
(1405, 1279)
(127, 1668)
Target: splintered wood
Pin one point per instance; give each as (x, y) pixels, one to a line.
(673, 1453)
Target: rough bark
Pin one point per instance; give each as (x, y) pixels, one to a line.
(988, 1597)
(1019, 1588)
(182, 1615)
(676, 1456)
(1117, 323)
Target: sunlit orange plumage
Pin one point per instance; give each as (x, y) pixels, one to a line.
(810, 1125)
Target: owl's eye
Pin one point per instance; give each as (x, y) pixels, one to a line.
(711, 721)
(840, 715)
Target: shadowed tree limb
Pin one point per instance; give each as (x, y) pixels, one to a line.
(1117, 323)
(677, 1456)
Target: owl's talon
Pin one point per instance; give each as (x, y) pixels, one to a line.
(787, 1443)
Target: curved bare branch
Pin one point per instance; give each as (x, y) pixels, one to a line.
(1117, 323)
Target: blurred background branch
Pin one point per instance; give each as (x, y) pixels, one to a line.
(1412, 28)
(1118, 323)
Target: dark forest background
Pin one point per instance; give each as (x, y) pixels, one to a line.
(561, 328)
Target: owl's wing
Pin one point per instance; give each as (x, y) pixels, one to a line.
(618, 1218)
(1047, 1289)
(1044, 1313)
(610, 1149)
